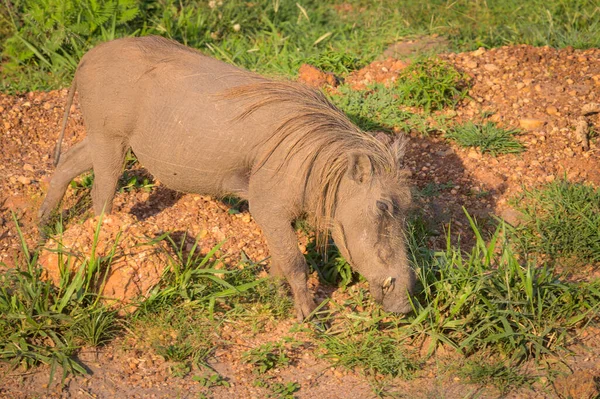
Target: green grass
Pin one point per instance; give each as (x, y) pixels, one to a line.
(488, 300)
(45, 323)
(272, 355)
(561, 221)
(431, 84)
(487, 137)
(42, 40)
(504, 378)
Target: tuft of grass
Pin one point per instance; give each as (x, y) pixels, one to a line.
(372, 351)
(271, 355)
(487, 137)
(562, 221)
(44, 323)
(487, 299)
(431, 84)
(192, 278)
(504, 378)
(338, 63)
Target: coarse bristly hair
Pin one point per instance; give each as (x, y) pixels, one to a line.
(316, 124)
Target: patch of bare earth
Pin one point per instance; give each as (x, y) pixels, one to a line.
(541, 90)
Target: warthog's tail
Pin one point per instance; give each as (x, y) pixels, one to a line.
(65, 120)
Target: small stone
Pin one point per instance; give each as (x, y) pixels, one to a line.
(28, 167)
(471, 64)
(24, 180)
(569, 152)
(531, 123)
(551, 110)
(491, 67)
(473, 154)
(479, 52)
(48, 106)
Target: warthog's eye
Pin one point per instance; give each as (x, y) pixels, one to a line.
(384, 206)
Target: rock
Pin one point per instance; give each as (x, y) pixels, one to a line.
(471, 64)
(474, 154)
(531, 123)
(313, 76)
(479, 52)
(28, 167)
(24, 180)
(552, 110)
(491, 67)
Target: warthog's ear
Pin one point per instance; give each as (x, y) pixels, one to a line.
(399, 148)
(359, 167)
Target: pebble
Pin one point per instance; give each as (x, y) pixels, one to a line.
(24, 180)
(551, 110)
(531, 123)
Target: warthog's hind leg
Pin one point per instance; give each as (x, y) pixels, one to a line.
(72, 163)
(108, 156)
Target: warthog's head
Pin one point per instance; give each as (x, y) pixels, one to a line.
(368, 227)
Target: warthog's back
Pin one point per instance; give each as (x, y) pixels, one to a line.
(165, 100)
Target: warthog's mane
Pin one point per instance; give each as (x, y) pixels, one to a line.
(311, 122)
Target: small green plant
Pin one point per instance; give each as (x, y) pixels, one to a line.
(84, 183)
(284, 391)
(431, 84)
(487, 137)
(130, 182)
(270, 356)
(561, 221)
(212, 380)
(503, 377)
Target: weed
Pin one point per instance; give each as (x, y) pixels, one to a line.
(335, 62)
(331, 266)
(212, 380)
(371, 350)
(503, 377)
(130, 181)
(431, 84)
(561, 220)
(374, 109)
(270, 356)
(43, 323)
(488, 137)
(284, 391)
(488, 300)
(192, 278)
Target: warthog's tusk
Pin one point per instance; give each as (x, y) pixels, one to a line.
(388, 283)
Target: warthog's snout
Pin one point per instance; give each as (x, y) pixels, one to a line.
(396, 293)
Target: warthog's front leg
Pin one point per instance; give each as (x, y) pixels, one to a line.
(286, 259)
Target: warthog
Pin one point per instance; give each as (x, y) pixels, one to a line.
(203, 126)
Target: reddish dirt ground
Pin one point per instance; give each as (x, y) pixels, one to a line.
(540, 90)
